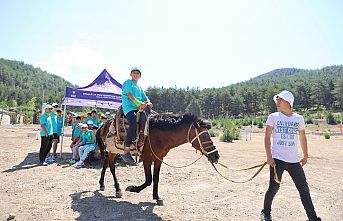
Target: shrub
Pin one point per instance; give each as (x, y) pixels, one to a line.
(260, 124)
(330, 119)
(213, 133)
(214, 123)
(229, 134)
(326, 135)
(308, 120)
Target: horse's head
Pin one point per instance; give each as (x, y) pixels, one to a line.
(200, 139)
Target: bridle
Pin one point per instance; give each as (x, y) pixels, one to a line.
(201, 143)
(204, 150)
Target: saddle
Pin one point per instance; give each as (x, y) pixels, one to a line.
(118, 132)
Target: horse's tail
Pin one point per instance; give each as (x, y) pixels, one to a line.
(100, 143)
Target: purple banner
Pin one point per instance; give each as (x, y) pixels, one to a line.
(92, 95)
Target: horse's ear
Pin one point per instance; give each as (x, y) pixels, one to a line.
(206, 124)
(197, 125)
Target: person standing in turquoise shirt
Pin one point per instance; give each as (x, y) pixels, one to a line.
(93, 117)
(133, 99)
(46, 133)
(59, 123)
(55, 139)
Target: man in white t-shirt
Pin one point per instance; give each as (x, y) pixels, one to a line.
(285, 126)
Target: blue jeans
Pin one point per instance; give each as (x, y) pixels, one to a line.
(132, 119)
(297, 174)
(84, 151)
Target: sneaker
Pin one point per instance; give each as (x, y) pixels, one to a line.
(265, 217)
(128, 159)
(49, 160)
(54, 157)
(71, 161)
(43, 163)
(78, 164)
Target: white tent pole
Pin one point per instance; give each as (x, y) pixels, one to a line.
(64, 117)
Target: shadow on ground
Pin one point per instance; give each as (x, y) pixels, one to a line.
(31, 161)
(95, 206)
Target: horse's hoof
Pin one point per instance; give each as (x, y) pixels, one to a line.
(119, 194)
(102, 188)
(129, 188)
(159, 202)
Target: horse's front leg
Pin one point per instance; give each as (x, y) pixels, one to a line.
(111, 163)
(148, 178)
(103, 171)
(156, 178)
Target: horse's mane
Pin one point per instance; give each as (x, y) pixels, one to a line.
(167, 121)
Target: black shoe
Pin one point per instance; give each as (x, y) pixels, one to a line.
(265, 217)
(128, 159)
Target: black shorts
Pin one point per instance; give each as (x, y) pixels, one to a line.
(55, 136)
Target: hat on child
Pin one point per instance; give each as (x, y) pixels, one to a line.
(90, 122)
(107, 113)
(136, 69)
(287, 96)
(54, 104)
(84, 125)
(48, 106)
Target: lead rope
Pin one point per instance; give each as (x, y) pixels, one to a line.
(276, 178)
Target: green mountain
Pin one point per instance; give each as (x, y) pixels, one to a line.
(19, 82)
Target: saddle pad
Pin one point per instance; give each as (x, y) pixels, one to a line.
(113, 147)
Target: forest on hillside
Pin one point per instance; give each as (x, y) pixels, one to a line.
(313, 90)
(22, 86)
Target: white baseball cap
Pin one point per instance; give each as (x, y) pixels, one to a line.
(90, 122)
(286, 95)
(48, 106)
(54, 104)
(84, 125)
(107, 113)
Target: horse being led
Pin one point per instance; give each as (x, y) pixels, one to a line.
(166, 131)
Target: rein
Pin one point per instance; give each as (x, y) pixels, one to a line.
(203, 151)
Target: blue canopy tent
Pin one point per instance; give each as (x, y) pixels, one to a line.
(103, 92)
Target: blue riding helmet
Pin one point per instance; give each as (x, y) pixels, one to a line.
(136, 69)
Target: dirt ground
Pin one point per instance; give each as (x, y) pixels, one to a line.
(197, 192)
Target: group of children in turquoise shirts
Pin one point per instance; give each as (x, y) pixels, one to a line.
(83, 140)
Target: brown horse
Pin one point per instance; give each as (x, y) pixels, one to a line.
(166, 131)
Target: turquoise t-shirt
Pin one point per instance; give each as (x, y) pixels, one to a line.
(130, 86)
(59, 125)
(81, 134)
(45, 119)
(76, 132)
(87, 137)
(95, 121)
(53, 116)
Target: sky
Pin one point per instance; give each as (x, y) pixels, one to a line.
(175, 43)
